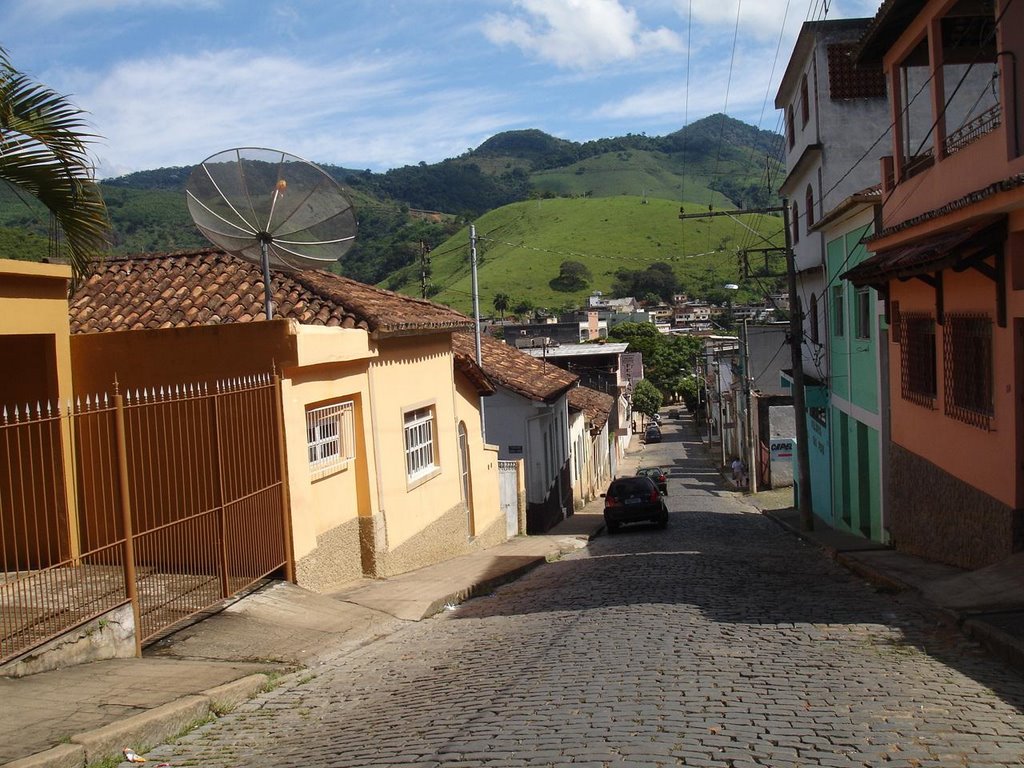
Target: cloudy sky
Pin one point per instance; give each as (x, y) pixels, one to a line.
(378, 84)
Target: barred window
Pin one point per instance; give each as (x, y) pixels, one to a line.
(839, 310)
(419, 443)
(967, 366)
(329, 436)
(917, 359)
(863, 313)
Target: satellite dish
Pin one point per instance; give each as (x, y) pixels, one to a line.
(271, 208)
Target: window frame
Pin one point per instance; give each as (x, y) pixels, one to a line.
(330, 438)
(805, 107)
(918, 354)
(839, 311)
(419, 431)
(968, 369)
(862, 314)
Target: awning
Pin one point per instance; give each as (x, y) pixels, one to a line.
(931, 253)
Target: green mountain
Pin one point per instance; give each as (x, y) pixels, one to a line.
(406, 211)
(522, 247)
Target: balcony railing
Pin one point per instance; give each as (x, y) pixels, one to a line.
(973, 130)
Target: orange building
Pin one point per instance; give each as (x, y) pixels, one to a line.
(949, 263)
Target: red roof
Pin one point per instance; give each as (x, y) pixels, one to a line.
(211, 287)
(523, 374)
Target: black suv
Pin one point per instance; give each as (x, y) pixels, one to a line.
(633, 500)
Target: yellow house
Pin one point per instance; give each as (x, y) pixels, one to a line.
(34, 340)
(387, 470)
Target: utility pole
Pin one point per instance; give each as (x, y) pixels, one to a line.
(476, 318)
(424, 268)
(803, 479)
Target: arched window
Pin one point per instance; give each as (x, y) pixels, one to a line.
(805, 104)
(790, 130)
(796, 223)
(809, 207)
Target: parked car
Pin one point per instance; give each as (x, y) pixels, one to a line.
(673, 414)
(657, 474)
(652, 434)
(633, 500)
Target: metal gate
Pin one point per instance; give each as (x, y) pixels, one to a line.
(175, 499)
(508, 493)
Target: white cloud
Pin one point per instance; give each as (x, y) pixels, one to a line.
(181, 109)
(578, 34)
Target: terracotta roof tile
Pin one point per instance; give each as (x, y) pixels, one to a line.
(516, 370)
(210, 287)
(596, 406)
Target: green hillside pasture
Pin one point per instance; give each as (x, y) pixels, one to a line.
(631, 172)
(522, 245)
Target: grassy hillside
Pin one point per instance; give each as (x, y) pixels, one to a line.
(521, 247)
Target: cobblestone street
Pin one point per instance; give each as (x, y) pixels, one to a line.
(722, 641)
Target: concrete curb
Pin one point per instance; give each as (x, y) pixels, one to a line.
(1004, 645)
(63, 756)
(481, 587)
(146, 729)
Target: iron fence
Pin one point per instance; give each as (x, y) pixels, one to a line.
(168, 499)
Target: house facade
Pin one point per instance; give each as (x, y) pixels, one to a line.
(383, 477)
(527, 418)
(834, 107)
(857, 401)
(593, 444)
(948, 263)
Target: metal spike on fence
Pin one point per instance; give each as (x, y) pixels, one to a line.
(106, 400)
(87, 404)
(5, 414)
(78, 403)
(162, 393)
(39, 410)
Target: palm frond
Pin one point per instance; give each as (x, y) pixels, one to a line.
(44, 151)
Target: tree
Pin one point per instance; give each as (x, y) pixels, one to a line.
(572, 276)
(646, 398)
(501, 302)
(43, 152)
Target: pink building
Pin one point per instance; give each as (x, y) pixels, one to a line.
(949, 264)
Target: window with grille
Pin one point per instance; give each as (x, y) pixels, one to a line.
(419, 443)
(863, 313)
(917, 359)
(809, 207)
(790, 128)
(796, 223)
(967, 367)
(838, 310)
(330, 438)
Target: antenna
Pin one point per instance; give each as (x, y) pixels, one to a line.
(271, 208)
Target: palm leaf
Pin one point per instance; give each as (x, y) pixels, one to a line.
(44, 152)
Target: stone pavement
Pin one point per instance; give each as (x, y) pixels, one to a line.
(280, 635)
(81, 715)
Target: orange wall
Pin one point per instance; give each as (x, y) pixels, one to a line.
(171, 356)
(987, 460)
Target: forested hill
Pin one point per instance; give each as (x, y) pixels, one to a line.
(716, 160)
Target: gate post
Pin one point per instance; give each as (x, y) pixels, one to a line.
(222, 544)
(282, 460)
(130, 582)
